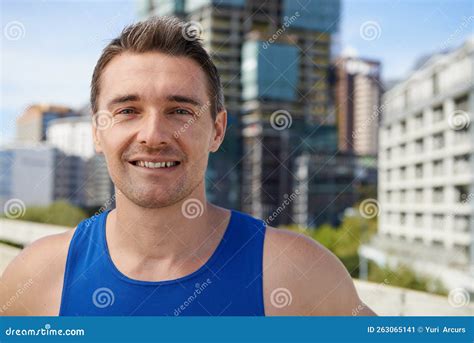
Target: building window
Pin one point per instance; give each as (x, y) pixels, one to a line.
(438, 141)
(461, 136)
(461, 103)
(403, 195)
(403, 173)
(403, 218)
(418, 220)
(438, 221)
(461, 223)
(418, 195)
(402, 150)
(403, 127)
(438, 168)
(438, 114)
(438, 194)
(462, 193)
(464, 250)
(419, 146)
(419, 120)
(419, 171)
(461, 164)
(389, 217)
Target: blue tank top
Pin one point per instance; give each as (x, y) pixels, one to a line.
(229, 283)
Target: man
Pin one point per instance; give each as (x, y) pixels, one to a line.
(164, 250)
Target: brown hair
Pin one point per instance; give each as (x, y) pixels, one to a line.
(168, 35)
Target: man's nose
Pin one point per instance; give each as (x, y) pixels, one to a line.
(154, 130)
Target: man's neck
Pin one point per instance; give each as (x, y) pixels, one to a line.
(173, 234)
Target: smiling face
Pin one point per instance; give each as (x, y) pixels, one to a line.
(160, 131)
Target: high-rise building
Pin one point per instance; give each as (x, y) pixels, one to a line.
(426, 170)
(273, 59)
(324, 184)
(33, 123)
(357, 93)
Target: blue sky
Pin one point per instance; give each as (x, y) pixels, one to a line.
(60, 41)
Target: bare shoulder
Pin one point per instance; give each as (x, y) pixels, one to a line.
(303, 278)
(32, 282)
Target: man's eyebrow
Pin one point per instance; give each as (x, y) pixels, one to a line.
(182, 98)
(123, 98)
(135, 97)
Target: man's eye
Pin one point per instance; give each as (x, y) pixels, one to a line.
(127, 111)
(182, 111)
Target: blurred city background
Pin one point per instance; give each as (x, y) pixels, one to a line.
(349, 121)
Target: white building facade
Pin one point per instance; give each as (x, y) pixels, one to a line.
(72, 135)
(426, 169)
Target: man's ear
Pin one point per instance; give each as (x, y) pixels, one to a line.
(96, 137)
(220, 125)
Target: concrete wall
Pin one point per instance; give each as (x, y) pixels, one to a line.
(394, 301)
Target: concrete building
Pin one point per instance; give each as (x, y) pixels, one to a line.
(357, 94)
(33, 123)
(27, 173)
(426, 171)
(72, 135)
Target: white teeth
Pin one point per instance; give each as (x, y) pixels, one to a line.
(147, 164)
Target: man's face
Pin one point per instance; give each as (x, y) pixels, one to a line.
(155, 108)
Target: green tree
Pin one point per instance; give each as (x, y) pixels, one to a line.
(58, 213)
